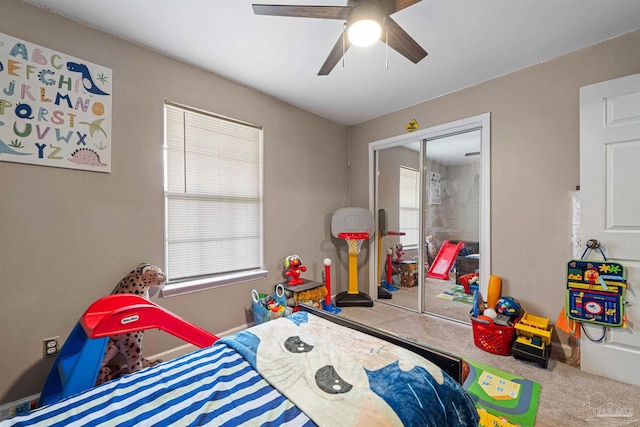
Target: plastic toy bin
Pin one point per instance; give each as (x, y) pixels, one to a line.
(492, 338)
(261, 313)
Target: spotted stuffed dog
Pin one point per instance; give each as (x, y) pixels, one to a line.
(129, 345)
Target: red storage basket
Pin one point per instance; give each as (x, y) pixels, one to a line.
(493, 338)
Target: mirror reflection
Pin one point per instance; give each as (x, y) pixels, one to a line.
(446, 197)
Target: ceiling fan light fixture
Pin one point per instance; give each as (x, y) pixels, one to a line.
(377, 25)
(364, 24)
(364, 32)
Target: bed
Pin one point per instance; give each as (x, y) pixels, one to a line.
(310, 368)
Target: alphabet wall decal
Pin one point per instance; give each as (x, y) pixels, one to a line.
(55, 110)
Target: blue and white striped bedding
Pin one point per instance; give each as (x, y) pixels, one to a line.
(221, 385)
(213, 386)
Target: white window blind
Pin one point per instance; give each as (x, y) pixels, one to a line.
(213, 192)
(409, 206)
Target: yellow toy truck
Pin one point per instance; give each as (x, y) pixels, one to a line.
(533, 339)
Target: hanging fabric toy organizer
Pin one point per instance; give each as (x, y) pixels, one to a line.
(596, 290)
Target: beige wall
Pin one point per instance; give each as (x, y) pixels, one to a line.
(462, 205)
(67, 237)
(389, 162)
(534, 160)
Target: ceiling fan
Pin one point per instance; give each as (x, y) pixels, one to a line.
(357, 13)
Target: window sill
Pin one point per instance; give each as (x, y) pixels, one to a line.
(187, 287)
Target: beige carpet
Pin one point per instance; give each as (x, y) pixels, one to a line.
(568, 397)
(408, 298)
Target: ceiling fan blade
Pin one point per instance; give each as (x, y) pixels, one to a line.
(402, 4)
(322, 12)
(401, 42)
(335, 55)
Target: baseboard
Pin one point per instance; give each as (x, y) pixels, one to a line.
(560, 351)
(188, 348)
(19, 406)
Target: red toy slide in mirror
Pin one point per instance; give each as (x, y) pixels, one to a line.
(447, 254)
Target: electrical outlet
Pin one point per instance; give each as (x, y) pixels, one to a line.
(50, 347)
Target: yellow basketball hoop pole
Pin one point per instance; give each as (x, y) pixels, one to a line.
(353, 296)
(353, 271)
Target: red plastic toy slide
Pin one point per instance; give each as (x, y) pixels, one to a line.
(447, 254)
(77, 365)
(121, 313)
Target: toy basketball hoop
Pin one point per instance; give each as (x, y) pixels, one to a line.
(354, 240)
(353, 297)
(354, 225)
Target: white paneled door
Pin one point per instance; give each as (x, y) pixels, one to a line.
(610, 194)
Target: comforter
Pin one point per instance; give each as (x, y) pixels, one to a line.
(295, 371)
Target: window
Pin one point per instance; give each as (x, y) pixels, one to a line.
(213, 199)
(409, 206)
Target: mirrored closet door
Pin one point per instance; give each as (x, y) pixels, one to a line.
(430, 193)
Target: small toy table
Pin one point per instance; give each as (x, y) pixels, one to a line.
(406, 272)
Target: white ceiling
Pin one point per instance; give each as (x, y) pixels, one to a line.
(468, 41)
